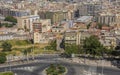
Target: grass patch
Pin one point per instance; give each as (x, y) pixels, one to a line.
(17, 42)
(18, 47)
(55, 70)
(6, 73)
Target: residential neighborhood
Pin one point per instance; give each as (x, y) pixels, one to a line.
(60, 34)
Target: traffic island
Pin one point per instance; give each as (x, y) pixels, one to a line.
(6, 73)
(55, 69)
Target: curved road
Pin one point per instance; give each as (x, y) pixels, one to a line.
(37, 67)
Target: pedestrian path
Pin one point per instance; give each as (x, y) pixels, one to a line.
(90, 62)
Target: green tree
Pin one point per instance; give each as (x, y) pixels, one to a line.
(71, 48)
(115, 53)
(27, 51)
(109, 51)
(1, 25)
(2, 58)
(88, 25)
(11, 19)
(8, 25)
(92, 46)
(6, 46)
(53, 44)
(99, 26)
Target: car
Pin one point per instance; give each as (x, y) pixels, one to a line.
(116, 62)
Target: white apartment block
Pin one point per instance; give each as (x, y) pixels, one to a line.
(26, 22)
(46, 24)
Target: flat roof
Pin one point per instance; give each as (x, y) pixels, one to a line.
(84, 18)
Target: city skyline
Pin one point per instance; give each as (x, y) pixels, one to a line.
(60, 37)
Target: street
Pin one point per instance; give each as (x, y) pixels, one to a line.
(37, 66)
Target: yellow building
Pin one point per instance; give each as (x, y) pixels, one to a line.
(36, 37)
(56, 15)
(118, 20)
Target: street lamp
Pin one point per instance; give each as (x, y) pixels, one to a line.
(102, 67)
(102, 62)
(9, 62)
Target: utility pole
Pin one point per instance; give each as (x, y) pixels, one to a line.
(27, 56)
(102, 62)
(9, 62)
(33, 52)
(102, 66)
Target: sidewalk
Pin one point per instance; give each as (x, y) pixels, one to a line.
(93, 62)
(15, 63)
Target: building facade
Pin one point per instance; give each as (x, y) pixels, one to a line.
(14, 12)
(26, 22)
(107, 19)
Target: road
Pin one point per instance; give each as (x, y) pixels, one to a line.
(42, 62)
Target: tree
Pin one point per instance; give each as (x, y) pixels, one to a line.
(11, 19)
(2, 58)
(92, 46)
(71, 48)
(62, 44)
(53, 45)
(99, 26)
(8, 25)
(117, 48)
(88, 26)
(27, 51)
(6, 46)
(109, 51)
(116, 53)
(0, 24)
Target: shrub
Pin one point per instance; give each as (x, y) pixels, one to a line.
(2, 58)
(55, 70)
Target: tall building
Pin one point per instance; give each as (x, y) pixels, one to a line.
(90, 9)
(55, 16)
(117, 22)
(106, 18)
(76, 37)
(14, 12)
(26, 22)
(37, 29)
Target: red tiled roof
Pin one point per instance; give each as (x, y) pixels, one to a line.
(49, 30)
(105, 28)
(73, 28)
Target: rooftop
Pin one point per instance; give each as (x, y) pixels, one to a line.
(84, 18)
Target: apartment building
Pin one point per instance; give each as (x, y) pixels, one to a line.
(106, 18)
(39, 28)
(85, 19)
(26, 22)
(14, 12)
(55, 15)
(76, 36)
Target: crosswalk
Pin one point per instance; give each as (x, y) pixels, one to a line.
(24, 68)
(48, 60)
(92, 71)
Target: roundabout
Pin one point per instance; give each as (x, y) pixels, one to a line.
(37, 68)
(55, 69)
